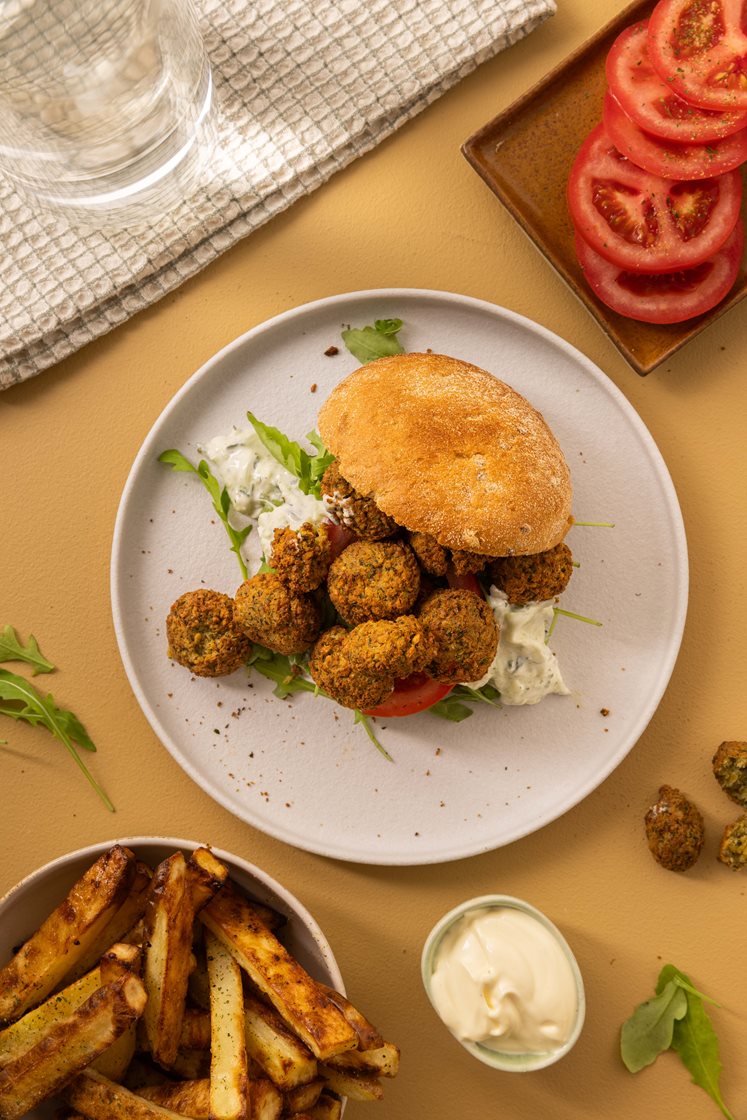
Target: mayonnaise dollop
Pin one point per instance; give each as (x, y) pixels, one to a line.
(260, 487)
(524, 669)
(501, 978)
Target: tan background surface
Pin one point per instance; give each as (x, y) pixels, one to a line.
(410, 214)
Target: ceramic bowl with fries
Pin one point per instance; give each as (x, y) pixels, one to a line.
(150, 978)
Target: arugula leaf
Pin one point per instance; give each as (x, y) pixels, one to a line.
(648, 1032)
(13, 650)
(308, 469)
(454, 706)
(695, 1040)
(675, 1019)
(21, 701)
(221, 500)
(378, 341)
(364, 720)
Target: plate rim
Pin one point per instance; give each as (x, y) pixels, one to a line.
(606, 385)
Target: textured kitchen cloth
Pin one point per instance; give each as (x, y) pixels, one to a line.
(303, 87)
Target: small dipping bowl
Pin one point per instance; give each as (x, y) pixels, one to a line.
(498, 1059)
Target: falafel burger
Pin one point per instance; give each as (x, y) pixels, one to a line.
(444, 448)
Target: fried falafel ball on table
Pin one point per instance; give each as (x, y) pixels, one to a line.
(204, 634)
(534, 578)
(373, 580)
(274, 616)
(358, 668)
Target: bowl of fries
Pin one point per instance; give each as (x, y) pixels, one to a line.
(153, 977)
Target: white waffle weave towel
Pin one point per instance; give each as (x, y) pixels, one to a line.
(303, 87)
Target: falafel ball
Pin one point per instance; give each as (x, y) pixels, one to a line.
(730, 769)
(353, 510)
(358, 667)
(674, 830)
(463, 632)
(733, 849)
(373, 580)
(204, 635)
(535, 578)
(269, 613)
(301, 557)
(468, 563)
(432, 556)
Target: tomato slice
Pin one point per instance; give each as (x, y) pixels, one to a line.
(339, 537)
(651, 102)
(699, 47)
(641, 221)
(466, 582)
(668, 297)
(411, 695)
(667, 158)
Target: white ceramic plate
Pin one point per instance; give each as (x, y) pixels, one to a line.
(25, 906)
(299, 769)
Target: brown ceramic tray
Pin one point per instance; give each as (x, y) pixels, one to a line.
(525, 154)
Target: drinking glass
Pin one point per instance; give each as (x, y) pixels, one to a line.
(105, 105)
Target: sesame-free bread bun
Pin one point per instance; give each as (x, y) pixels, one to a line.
(445, 448)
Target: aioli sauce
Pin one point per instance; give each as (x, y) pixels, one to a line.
(500, 978)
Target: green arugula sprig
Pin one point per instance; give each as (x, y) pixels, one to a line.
(675, 1019)
(308, 469)
(378, 341)
(454, 706)
(290, 676)
(21, 701)
(221, 501)
(11, 649)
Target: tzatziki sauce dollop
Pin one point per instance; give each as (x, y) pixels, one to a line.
(524, 669)
(501, 978)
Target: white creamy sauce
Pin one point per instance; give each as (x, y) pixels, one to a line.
(524, 669)
(501, 979)
(260, 487)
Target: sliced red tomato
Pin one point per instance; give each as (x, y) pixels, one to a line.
(339, 537)
(643, 222)
(665, 297)
(667, 158)
(411, 695)
(651, 102)
(699, 47)
(466, 582)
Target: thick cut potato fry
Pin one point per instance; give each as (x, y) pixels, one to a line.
(229, 1091)
(65, 936)
(384, 1061)
(303, 1097)
(122, 921)
(31, 1027)
(369, 1037)
(121, 960)
(286, 1060)
(357, 1086)
(326, 1108)
(269, 965)
(206, 875)
(168, 948)
(69, 1046)
(100, 1099)
(195, 1030)
(192, 1098)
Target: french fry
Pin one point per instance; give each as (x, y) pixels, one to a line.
(229, 1089)
(31, 1027)
(69, 1046)
(206, 875)
(357, 1086)
(192, 1098)
(384, 1061)
(286, 1060)
(168, 947)
(120, 960)
(195, 1030)
(369, 1037)
(269, 965)
(122, 921)
(326, 1108)
(65, 936)
(100, 1099)
(303, 1097)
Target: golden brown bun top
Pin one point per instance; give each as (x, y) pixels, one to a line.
(445, 448)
